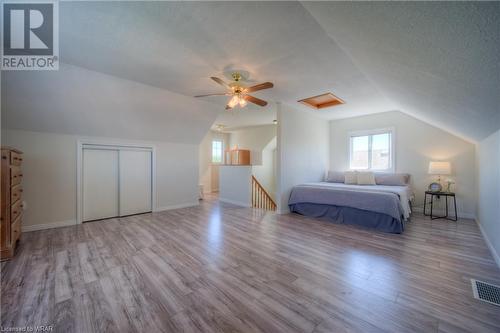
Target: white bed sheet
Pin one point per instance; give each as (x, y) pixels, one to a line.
(405, 192)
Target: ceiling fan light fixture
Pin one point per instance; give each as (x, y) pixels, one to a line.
(234, 101)
(239, 93)
(219, 127)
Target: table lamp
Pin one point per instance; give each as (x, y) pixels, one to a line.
(439, 169)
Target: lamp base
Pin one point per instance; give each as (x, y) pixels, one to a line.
(435, 187)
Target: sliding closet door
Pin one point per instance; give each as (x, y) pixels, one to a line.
(100, 184)
(135, 181)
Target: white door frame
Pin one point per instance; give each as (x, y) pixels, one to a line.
(112, 144)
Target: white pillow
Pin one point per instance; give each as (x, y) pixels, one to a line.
(396, 179)
(350, 177)
(366, 178)
(335, 177)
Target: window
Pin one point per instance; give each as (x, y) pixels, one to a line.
(372, 150)
(217, 151)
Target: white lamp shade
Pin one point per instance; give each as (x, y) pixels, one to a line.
(439, 168)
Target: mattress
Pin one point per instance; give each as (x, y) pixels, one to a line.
(348, 215)
(404, 193)
(384, 208)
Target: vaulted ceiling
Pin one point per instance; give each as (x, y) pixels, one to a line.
(130, 69)
(437, 61)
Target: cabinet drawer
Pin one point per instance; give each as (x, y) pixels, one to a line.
(16, 158)
(16, 193)
(16, 210)
(16, 175)
(15, 230)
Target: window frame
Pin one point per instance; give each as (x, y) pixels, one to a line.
(221, 151)
(370, 133)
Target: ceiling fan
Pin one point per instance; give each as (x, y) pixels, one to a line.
(239, 92)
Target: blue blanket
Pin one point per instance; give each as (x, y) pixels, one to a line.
(383, 210)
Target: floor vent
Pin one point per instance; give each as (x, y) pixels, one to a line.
(486, 292)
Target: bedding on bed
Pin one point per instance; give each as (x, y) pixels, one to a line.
(348, 215)
(404, 193)
(382, 207)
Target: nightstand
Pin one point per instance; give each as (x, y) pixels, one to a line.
(431, 203)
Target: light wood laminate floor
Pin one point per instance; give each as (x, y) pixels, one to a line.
(221, 268)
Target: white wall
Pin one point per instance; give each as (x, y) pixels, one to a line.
(417, 143)
(261, 141)
(302, 151)
(488, 165)
(50, 175)
(254, 138)
(208, 172)
(205, 157)
(266, 172)
(236, 184)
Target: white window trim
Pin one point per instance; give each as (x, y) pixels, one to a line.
(392, 155)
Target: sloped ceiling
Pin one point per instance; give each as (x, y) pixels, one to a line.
(77, 101)
(438, 62)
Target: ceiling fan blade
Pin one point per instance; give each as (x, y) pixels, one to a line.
(261, 86)
(221, 94)
(219, 81)
(255, 100)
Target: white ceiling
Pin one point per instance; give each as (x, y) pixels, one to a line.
(238, 118)
(438, 62)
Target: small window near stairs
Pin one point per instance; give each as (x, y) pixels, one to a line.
(217, 152)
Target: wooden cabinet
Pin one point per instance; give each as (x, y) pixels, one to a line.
(237, 157)
(11, 201)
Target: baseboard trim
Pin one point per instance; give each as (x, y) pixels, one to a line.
(441, 212)
(183, 205)
(36, 227)
(283, 211)
(234, 202)
(494, 253)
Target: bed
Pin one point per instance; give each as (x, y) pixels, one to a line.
(381, 207)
